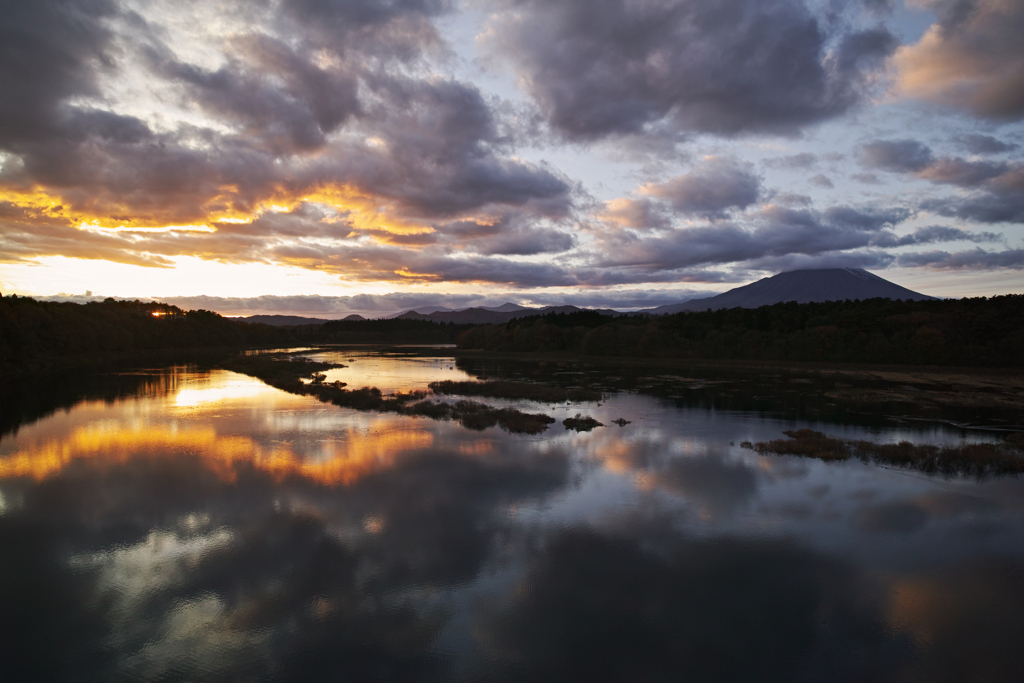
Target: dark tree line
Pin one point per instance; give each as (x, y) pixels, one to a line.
(964, 332)
(38, 336)
(382, 331)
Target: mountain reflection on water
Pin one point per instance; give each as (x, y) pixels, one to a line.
(212, 528)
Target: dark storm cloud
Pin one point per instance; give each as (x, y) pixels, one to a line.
(598, 68)
(51, 52)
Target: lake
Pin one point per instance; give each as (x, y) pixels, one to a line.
(181, 524)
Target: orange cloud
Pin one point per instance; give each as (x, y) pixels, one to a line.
(342, 461)
(974, 62)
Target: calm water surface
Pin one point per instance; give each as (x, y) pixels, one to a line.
(211, 528)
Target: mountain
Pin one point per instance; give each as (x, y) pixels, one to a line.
(282, 320)
(285, 320)
(481, 315)
(506, 308)
(802, 286)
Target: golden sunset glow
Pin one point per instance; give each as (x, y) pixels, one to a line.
(341, 461)
(268, 154)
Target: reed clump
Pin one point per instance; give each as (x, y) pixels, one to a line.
(288, 375)
(581, 423)
(544, 393)
(978, 460)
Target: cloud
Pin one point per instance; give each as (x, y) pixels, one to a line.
(602, 607)
(803, 160)
(971, 59)
(331, 135)
(273, 95)
(896, 155)
(709, 190)
(1000, 185)
(942, 233)
(612, 67)
(981, 207)
(383, 305)
(770, 231)
(298, 139)
(52, 52)
(897, 517)
(963, 173)
(975, 259)
(985, 144)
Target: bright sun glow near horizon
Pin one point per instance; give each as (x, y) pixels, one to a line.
(458, 154)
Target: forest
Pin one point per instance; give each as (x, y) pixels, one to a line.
(381, 331)
(952, 332)
(38, 336)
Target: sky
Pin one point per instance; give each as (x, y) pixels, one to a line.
(327, 157)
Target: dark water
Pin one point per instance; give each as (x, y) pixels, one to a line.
(201, 526)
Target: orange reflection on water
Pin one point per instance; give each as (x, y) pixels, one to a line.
(340, 461)
(617, 455)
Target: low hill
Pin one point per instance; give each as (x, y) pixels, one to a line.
(963, 332)
(501, 314)
(802, 286)
(288, 320)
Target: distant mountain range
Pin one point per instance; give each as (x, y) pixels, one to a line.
(286, 320)
(802, 286)
(499, 314)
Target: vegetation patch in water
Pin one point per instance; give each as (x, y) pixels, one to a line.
(288, 375)
(544, 393)
(970, 459)
(580, 423)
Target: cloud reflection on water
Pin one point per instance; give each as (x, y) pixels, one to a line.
(264, 536)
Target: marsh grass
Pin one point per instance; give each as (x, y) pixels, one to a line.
(288, 375)
(581, 423)
(964, 459)
(544, 393)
